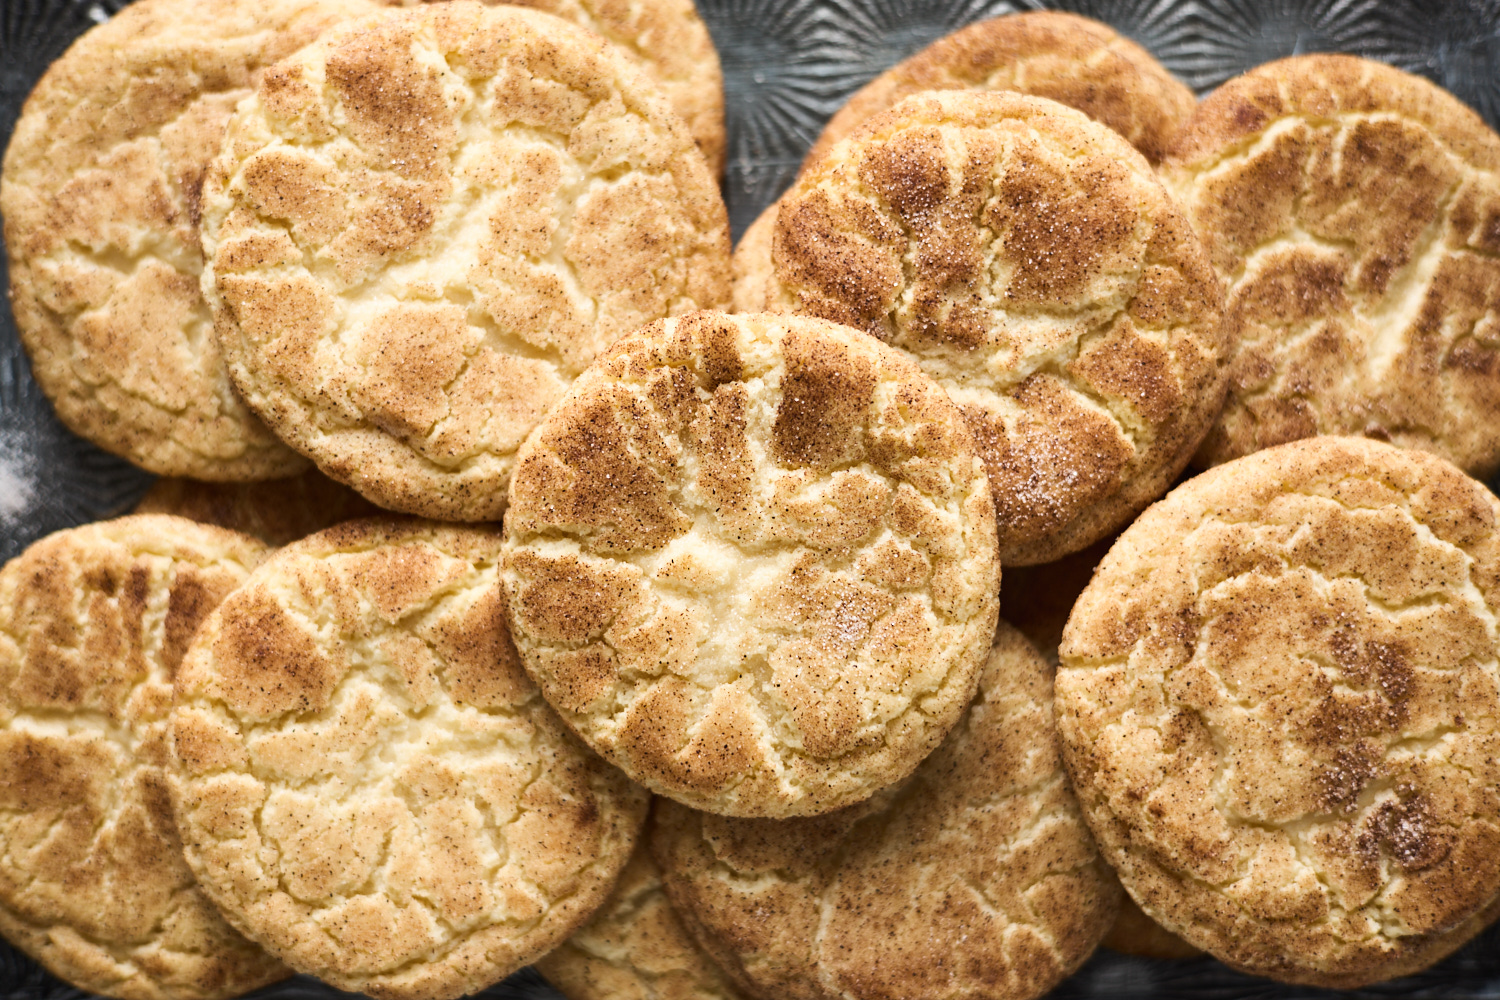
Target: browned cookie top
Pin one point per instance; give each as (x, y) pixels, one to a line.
(367, 782)
(746, 562)
(1031, 262)
(1280, 706)
(1353, 211)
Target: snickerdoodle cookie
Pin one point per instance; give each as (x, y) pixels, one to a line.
(1280, 708)
(1031, 262)
(635, 947)
(367, 782)
(100, 193)
(425, 225)
(1351, 210)
(93, 625)
(277, 511)
(1073, 60)
(746, 562)
(977, 877)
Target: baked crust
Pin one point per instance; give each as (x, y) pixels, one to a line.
(671, 43)
(406, 284)
(977, 877)
(93, 624)
(100, 193)
(1279, 706)
(368, 784)
(1353, 211)
(746, 562)
(1070, 59)
(1030, 261)
(635, 947)
(277, 511)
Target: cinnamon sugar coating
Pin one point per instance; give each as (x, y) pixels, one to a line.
(93, 625)
(670, 42)
(1353, 211)
(1280, 708)
(1070, 59)
(976, 878)
(367, 782)
(1032, 264)
(427, 224)
(746, 559)
(101, 197)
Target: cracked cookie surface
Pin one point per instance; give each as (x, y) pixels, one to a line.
(635, 947)
(1031, 263)
(746, 562)
(1073, 60)
(277, 511)
(93, 625)
(1353, 211)
(367, 782)
(671, 43)
(977, 877)
(100, 193)
(428, 223)
(1280, 707)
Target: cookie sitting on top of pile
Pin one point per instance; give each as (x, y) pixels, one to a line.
(750, 561)
(1280, 707)
(1029, 260)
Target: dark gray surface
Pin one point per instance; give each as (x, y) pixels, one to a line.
(788, 65)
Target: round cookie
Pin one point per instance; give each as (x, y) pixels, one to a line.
(405, 286)
(1350, 209)
(100, 193)
(1031, 262)
(93, 624)
(277, 511)
(1070, 59)
(368, 784)
(977, 877)
(746, 562)
(1280, 708)
(635, 947)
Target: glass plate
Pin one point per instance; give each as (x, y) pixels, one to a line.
(788, 65)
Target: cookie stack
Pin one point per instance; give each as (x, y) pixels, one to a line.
(726, 709)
